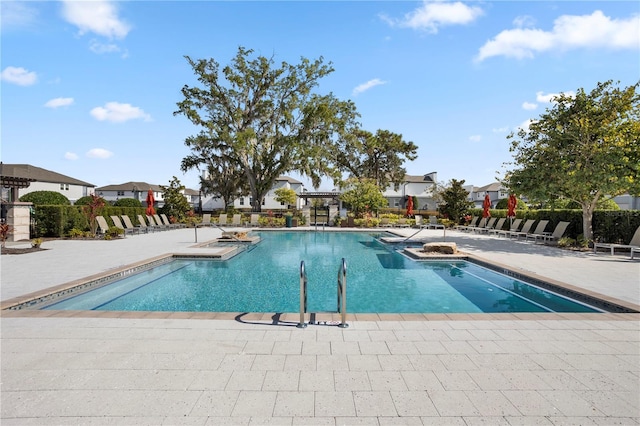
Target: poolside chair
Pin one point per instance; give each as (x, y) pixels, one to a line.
(418, 223)
(128, 224)
(167, 222)
(143, 224)
(513, 228)
(384, 222)
(524, 230)
(557, 233)
(254, 220)
(634, 244)
(472, 223)
(498, 227)
(160, 223)
(222, 219)
(206, 220)
(152, 222)
(489, 225)
(118, 224)
(103, 227)
(539, 231)
(235, 221)
(402, 223)
(433, 223)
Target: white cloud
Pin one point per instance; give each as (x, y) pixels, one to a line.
(19, 76)
(525, 125)
(504, 129)
(569, 32)
(529, 106)
(97, 47)
(97, 16)
(100, 153)
(59, 102)
(548, 98)
(524, 21)
(118, 113)
(475, 138)
(368, 85)
(435, 14)
(70, 156)
(16, 14)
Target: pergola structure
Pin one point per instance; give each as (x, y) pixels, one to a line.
(13, 183)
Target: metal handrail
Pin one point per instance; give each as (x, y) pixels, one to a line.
(342, 293)
(303, 295)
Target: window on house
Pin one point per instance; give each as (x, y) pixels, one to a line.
(242, 201)
(396, 203)
(62, 187)
(120, 193)
(66, 187)
(264, 201)
(282, 203)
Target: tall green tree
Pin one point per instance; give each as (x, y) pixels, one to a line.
(175, 203)
(363, 195)
(286, 195)
(223, 178)
(584, 148)
(266, 118)
(378, 156)
(453, 200)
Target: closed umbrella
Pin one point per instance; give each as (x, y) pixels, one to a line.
(486, 205)
(511, 207)
(410, 207)
(150, 200)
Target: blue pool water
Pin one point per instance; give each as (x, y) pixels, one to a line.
(266, 278)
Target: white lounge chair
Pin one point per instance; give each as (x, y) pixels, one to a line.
(118, 223)
(222, 219)
(634, 244)
(235, 221)
(539, 231)
(254, 220)
(513, 228)
(498, 227)
(525, 229)
(489, 225)
(472, 223)
(433, 223)
(557, 233)
(128, 224)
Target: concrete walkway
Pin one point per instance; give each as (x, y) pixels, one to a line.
(257, 369)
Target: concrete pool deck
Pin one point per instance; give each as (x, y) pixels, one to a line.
(181, 368)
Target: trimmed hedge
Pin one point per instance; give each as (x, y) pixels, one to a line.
(58, 221)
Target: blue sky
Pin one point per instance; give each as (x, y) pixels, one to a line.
(89, 87)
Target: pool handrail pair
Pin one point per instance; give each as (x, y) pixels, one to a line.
(341, 297)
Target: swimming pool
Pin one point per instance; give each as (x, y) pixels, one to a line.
(265, 278)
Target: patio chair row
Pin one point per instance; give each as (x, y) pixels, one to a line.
(155, 223)
(494, 226)
(633, 246)
(236, 220)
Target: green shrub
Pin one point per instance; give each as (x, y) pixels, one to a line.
(85, 201)
(51, 198)
(128, 202)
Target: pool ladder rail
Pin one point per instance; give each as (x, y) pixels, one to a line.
(341, 297)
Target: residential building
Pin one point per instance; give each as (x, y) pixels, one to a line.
(495, 190)
(269, 202)
(43, 180)
(136, 190)
(420, 186)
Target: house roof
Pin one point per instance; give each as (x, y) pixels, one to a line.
(131, 186)
(492, 187)
(417, 178)
(288, 179)
(37, 174)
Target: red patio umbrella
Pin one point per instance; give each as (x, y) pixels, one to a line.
(150, 200)
(511, 206)
(410, 206)
(486, 205)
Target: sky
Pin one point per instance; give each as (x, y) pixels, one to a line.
(89, 88)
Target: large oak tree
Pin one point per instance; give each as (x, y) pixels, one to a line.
(583, 148)
(378, 156)
(265, 118)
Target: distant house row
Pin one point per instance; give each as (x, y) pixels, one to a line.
(420, 186)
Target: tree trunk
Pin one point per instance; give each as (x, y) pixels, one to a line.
(587, 221)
